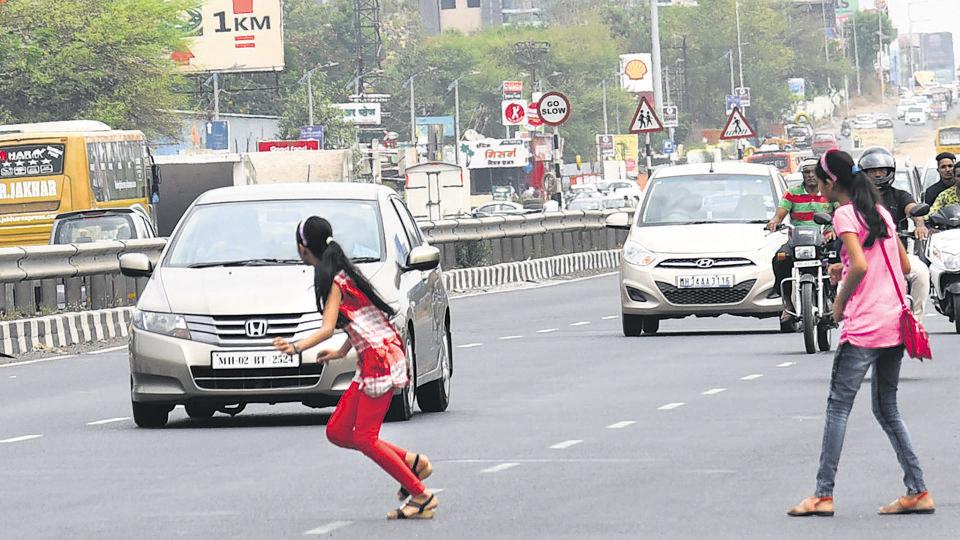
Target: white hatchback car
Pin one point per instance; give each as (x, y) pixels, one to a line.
(915, 116)
(697, 245)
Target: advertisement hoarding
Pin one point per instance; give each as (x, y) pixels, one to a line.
(233, 36)
(284, 146)
(496, 153)
(361, 114)
(636, 72)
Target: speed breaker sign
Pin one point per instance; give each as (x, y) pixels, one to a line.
(554, 108)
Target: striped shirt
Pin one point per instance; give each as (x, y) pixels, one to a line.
(802, 206)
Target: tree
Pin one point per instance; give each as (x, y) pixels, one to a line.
(873, 29)
(90, 59)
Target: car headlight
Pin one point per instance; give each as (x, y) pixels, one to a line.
(805, 252)
(638, 255)
(168, 324)
(950, 261)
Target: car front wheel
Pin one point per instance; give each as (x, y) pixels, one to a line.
(401, 407)
(435, 395)
(149, 415)
(632, 325)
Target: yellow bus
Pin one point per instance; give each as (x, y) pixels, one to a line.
(948, 139)
(54, 167)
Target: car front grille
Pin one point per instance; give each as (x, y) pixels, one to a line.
(305, 376)
(718, 262)
(712, 296)
(230, 330)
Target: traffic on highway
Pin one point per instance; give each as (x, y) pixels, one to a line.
(312, 269)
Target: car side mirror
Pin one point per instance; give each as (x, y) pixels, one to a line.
(822, 218)
(920, 210)
(135, 265)
(423, 258)
(620, 220)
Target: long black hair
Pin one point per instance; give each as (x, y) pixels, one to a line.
(839, 166)
(316, 235)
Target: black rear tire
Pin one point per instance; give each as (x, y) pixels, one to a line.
(956, 312)
(200, 411)
(149, 415)
(651, 325)
(632, 325)
(824, 337)
(435, 395)
(809, 321)
(402, 404)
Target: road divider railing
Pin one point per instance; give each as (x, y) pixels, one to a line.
(42, 280)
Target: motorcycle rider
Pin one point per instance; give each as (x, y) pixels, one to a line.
(801, 203)
(880, 166)
(948, 196)
(945, 166)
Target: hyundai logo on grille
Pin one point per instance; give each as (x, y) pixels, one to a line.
(705, 263)
(256, 328)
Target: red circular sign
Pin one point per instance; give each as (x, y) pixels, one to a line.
(533, 117)
(514, 113)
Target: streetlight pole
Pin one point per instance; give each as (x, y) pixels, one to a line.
(856, 52)
(606, 126)
(657, 90)
(413, 114)
(739, 42)
(733, 90)
(880, 55)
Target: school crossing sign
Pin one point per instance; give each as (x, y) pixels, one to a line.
(645, 120)
(737, 127)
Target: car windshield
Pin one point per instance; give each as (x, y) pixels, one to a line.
(263, 232)
(930, 177)
(902, 181)
(950, 136)
(825, 137)
(94, 229)
(916, 110)
(797, 132)
(586, 204)
(714, 198)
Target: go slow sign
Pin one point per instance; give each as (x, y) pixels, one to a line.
(554, 108)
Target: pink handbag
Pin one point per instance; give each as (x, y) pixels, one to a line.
(914, 335)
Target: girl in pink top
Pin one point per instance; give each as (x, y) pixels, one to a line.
(868, 308)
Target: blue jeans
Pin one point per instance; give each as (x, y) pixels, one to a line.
(849, 368)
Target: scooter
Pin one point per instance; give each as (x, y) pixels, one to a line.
(813, 294)
(943, 252)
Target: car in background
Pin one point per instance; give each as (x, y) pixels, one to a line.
(884, 121)
(586, 203)
(86, 226)
(500, 208)
(924, 102)
(907, 178)
(801, 134)
(903, 105)
(865, 121)
(793, 179)
(619, 202)
(915, 116)
(231, 281)
(823, 141)
(580, 189)
(929, 174)
(697, 245)
(610, 187)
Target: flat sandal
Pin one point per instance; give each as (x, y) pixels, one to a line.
(422, 511)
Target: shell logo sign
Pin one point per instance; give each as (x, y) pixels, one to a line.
(635, 71)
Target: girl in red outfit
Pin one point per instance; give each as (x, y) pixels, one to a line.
(349, 302)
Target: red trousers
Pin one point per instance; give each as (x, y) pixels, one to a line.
(356, 424)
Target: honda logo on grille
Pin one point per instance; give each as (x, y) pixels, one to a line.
(705, 263)
(256, 328)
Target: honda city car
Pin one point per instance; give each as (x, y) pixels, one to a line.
(230, 281)
(698, 247)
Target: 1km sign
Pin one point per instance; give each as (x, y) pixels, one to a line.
(554, 108)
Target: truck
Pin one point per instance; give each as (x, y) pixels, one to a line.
(437, 190)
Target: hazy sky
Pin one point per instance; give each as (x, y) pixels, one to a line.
(927, 15)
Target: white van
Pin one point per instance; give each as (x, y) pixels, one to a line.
(437, 190)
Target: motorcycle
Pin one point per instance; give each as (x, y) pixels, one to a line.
(943, 253)
(813, 294)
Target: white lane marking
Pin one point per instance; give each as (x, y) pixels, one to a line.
(509, 338)
(548, 330)
(437, 490)
(553, 460)
(108, 421)
(786, 364)
(20, 438)
(13, 376)
(581, 323)
(670, 406)
(328, 528)
(37, 361)
(500, 467)
(538, 286)
(566, 444)
(621, 425)
(470, 345)
(111, 349)
(751, 377)
(611, 317)
(713, 391)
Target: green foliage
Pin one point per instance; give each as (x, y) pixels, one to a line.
(868, 40)
(90, 59)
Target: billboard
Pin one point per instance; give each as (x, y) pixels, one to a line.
(233, 36)
(636, 72)
(286, 146)
(626, 148)
(936, 55)
(361, 114)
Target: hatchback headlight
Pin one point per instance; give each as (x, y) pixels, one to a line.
(638, 255)
(168, 324)
(805, 252)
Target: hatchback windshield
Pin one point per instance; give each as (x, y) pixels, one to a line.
(94, 229)
(264, 232)
(715, 198)
(902, 182)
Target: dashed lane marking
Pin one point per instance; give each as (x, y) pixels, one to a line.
(670, 406)
(110, 350)
(470, 345)
(566, 444)
(20, 438)
(328, 528)
(108, 421)
(510, 338)
(621, 425)
(581, 323)
(786, 364)
(714, 391)
(610, 317)
(751, 377)
(500, 467)
(548, 330)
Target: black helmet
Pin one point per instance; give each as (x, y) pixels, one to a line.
(877, 157)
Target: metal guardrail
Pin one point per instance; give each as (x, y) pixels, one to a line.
(46, 279)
